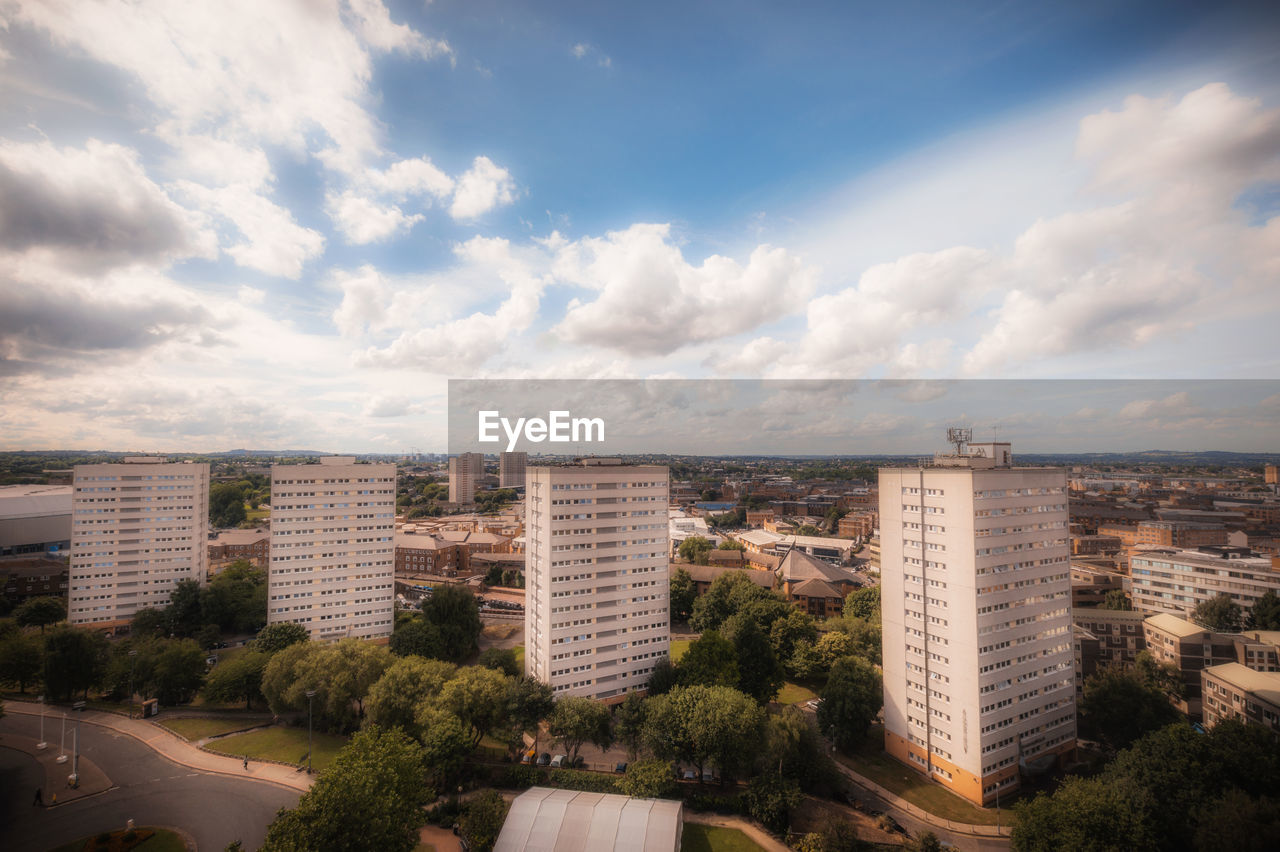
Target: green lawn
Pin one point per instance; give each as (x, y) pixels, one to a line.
(256, 514)
(794, 693)
(678, 649)
(713, 838)
(872, 762)
(198, 728)
(281, 743)
(519, 649)
(162, 841)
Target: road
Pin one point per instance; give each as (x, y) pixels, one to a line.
(149, 789)
(963, 842)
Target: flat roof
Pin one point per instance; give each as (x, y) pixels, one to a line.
(34, 501)
(1179, 627)
(1265, 685)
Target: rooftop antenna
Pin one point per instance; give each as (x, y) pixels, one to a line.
(959, 436)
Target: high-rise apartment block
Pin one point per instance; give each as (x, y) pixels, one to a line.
(511, 470)
(137, 529)
(465, 472)
(976, 605)
(333, 547)
(596, 612)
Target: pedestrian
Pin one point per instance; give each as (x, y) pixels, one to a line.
(246, 761)
(39, 797)
(55, 800)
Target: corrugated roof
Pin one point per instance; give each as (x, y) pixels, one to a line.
(546, 820)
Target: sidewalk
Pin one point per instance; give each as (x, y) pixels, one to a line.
(92, 779)
(179, 751)
(920, 813)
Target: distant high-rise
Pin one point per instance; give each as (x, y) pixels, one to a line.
(597, 618)
(333, 547)
(465, 472)
(511, 469)
(137, 529)
(976, 606)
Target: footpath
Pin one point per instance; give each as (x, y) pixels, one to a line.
(175, 748)
(971, 829)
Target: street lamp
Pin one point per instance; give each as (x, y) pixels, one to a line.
(62, 758)
(74, 780)
(42, 745)
(132, 659)
(311, 693)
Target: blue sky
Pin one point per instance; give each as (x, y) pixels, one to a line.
(288, 224)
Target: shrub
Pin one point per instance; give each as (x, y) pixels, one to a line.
(589, 782)
(521, 777)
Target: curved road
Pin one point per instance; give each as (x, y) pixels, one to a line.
(149, 789)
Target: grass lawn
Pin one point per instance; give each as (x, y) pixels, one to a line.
(872, 762)
(197, 728)
(519, 649)
(794, 693)
(499, 631)
(678, 648)
(714, 838)
(284, 744)
(162, 840)
(492, 747)
(256, 514)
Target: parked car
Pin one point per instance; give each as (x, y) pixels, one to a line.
(529, 757)
(689, 775)
(709, 775)
(812, 704)
(620, 768)
(560, 761)
(544, 759)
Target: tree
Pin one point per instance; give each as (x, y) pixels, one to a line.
(454, 612)
(1118, 600)
(794, 749)
(1119, 706)
(239, 678)
(416, 637)
(1084, 814)
(236, 598)
(760, 675)
(500, 659)
(149, 622)
(178, 672)
(710, 661)
(481, 821)
(1265, 614)
(695, 549)
(351, 667)
(850, 701)
(796, 626)
(529, 701)
(808, 529)
(1220, 614)
(445, 743)
(663, 678)
(681, 595)
(74, 661)
(864, 638)
(1166, 677)
(40, 612)
(734, 592)
(628, 724)
(340, 675)
(649, 779)
(863, 603)
(769, 800)
(576, 720)
(1237, 822)
(703, 724)
(924, 842)
(408, 683)
(370, 798)
(478, 698)
(278, 636)
(184, 608)
(21, 660)
(226, 505)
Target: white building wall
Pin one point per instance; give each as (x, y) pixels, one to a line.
(332, 564)
(597, 618)
(137, 529)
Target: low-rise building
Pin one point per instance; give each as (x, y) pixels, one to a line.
(35, 519)
(1234, 691)
(857, 524)
(1105, 637)
(1165, 579)
(227, 546)
(23, 577)
(1191, 648)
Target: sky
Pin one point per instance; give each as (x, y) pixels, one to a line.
(286, 225)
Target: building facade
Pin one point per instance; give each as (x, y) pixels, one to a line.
(333, 548)
(35, 519)
(976, 605)
(597, 617)
(1175, 581)
(137, 529)
(465, 472)
(511, 469)
(1233, 691)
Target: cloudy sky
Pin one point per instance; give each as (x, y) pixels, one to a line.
(285, 225)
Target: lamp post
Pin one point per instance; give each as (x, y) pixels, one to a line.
(132, 659)
(62, 747)
(74, 780)
(42, 745)
(311, 693)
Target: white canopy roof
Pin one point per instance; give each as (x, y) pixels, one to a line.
(545, 820)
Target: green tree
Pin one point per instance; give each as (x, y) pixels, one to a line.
(1166, 677)
(178, 672)
(278, 636)
(863, 603)
(238, 679)
(1118, 600)
(681, 595)
(730, 544)
(760, 675)
(575, 721)
(481, 821)
(500, 659)
(795, 627)
(405, 685)
(769, 799)
(1119, 706)
(453, 610)
(529, 701)
(794, 749)
(1220, 614)
(341, 675)
(236, 598)
(21, 660)
(1265, 614)
(1238, 822)
(663, 678)
(149, 622)
(226, 505)
(445, 743)
(184, 608)
(850, 701)
(649, 779)
(808, 529)
(628, 724)
(710, 661)
(734, 592)
(1087, 815)
(40, 612)
(370, 798)
(695, 549)
(704, 724)
(416, 637)
(477, 697)
(74, 661)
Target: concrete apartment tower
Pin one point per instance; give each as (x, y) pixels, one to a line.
(332, 566)
(979, 676)
(137, 529)
(597, 618)
(465, 472)
(511, 470)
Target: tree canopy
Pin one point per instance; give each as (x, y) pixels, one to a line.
(1220, 614)
(850, 701)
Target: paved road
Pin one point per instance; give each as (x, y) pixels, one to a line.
(963, 842)
(151, 790)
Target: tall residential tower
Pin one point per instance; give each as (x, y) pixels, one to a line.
(511, 469)
(333, 547)
(976, 605)
(596, 611)
(465, 472)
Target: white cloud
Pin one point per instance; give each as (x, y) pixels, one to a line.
(483, 187)
(380, 32)
(582, 50)
(417, 176)
(364, 221)
(271, 241)
(1178, 404)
